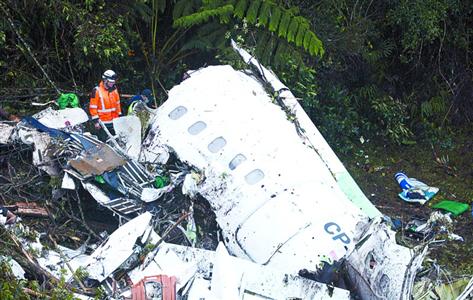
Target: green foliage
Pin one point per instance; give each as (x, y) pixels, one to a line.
(292, 30)
(338, 119)
(60, 291)
(433, 108)
(330, 108)
(375, 55)
(10, 287)
(13, 289)
(263, 13)
(107, 43)
(284, 25)
(81, 273)
(380, 56)
(275, 18)
(422, 21)
(383, 114)
(2, 38)
(252, 14)
(240, 8)
(184, 8)
(391, 116)
(204, 16)
(303, 29)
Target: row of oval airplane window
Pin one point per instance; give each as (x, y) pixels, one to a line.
(216, 145)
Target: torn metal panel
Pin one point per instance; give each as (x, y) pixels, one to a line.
(64, 118)
(6, 131)
(199, 289)
(52, 262)
(117, 249)
(98, 160)
(151, 194)
(217, 275)
(257, 175)
(312, 137)
(380, 268)
(122, 206)
(42, 157)
(42, 154)
(67, 182)
(152, 152)
(128, 130)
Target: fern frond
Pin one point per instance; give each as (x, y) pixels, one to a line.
(252, 14)
(209, 36)
(284, 25)
(225, 18)
(303, 28)
(240, 8)
(270, 14)
(281, 51)
(292, 30)
(211, 4)
(313, 49)
(368, 92)
(203, 16)
(264, 14)
(435, 106)
(261, 46)
(184, 8)
(318, 46)
(276, 14)
(387, 48)
(307, 38)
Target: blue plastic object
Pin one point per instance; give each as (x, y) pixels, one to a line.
(403, 181)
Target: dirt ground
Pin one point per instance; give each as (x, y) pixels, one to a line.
(447, 165)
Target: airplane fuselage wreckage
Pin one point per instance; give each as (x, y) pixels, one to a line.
(289, 214)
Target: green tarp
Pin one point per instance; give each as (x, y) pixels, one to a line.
(456, 208)
(67, 100)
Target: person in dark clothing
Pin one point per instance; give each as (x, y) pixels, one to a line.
(7, 217)
(145, 97)
(7, 116)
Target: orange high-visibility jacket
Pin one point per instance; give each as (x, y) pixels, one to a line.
(104, 104)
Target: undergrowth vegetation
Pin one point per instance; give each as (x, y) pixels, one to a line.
(399, 71)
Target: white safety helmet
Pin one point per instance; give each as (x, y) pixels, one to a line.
(110, 76)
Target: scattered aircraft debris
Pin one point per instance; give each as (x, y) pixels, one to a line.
(32, 209)
(281, 198)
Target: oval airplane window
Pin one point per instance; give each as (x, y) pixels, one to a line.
(177, 112)
(236, 161)
(254, 176)
(217, 144)
(197, 128)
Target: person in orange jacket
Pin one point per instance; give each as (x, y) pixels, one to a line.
(105, 101)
